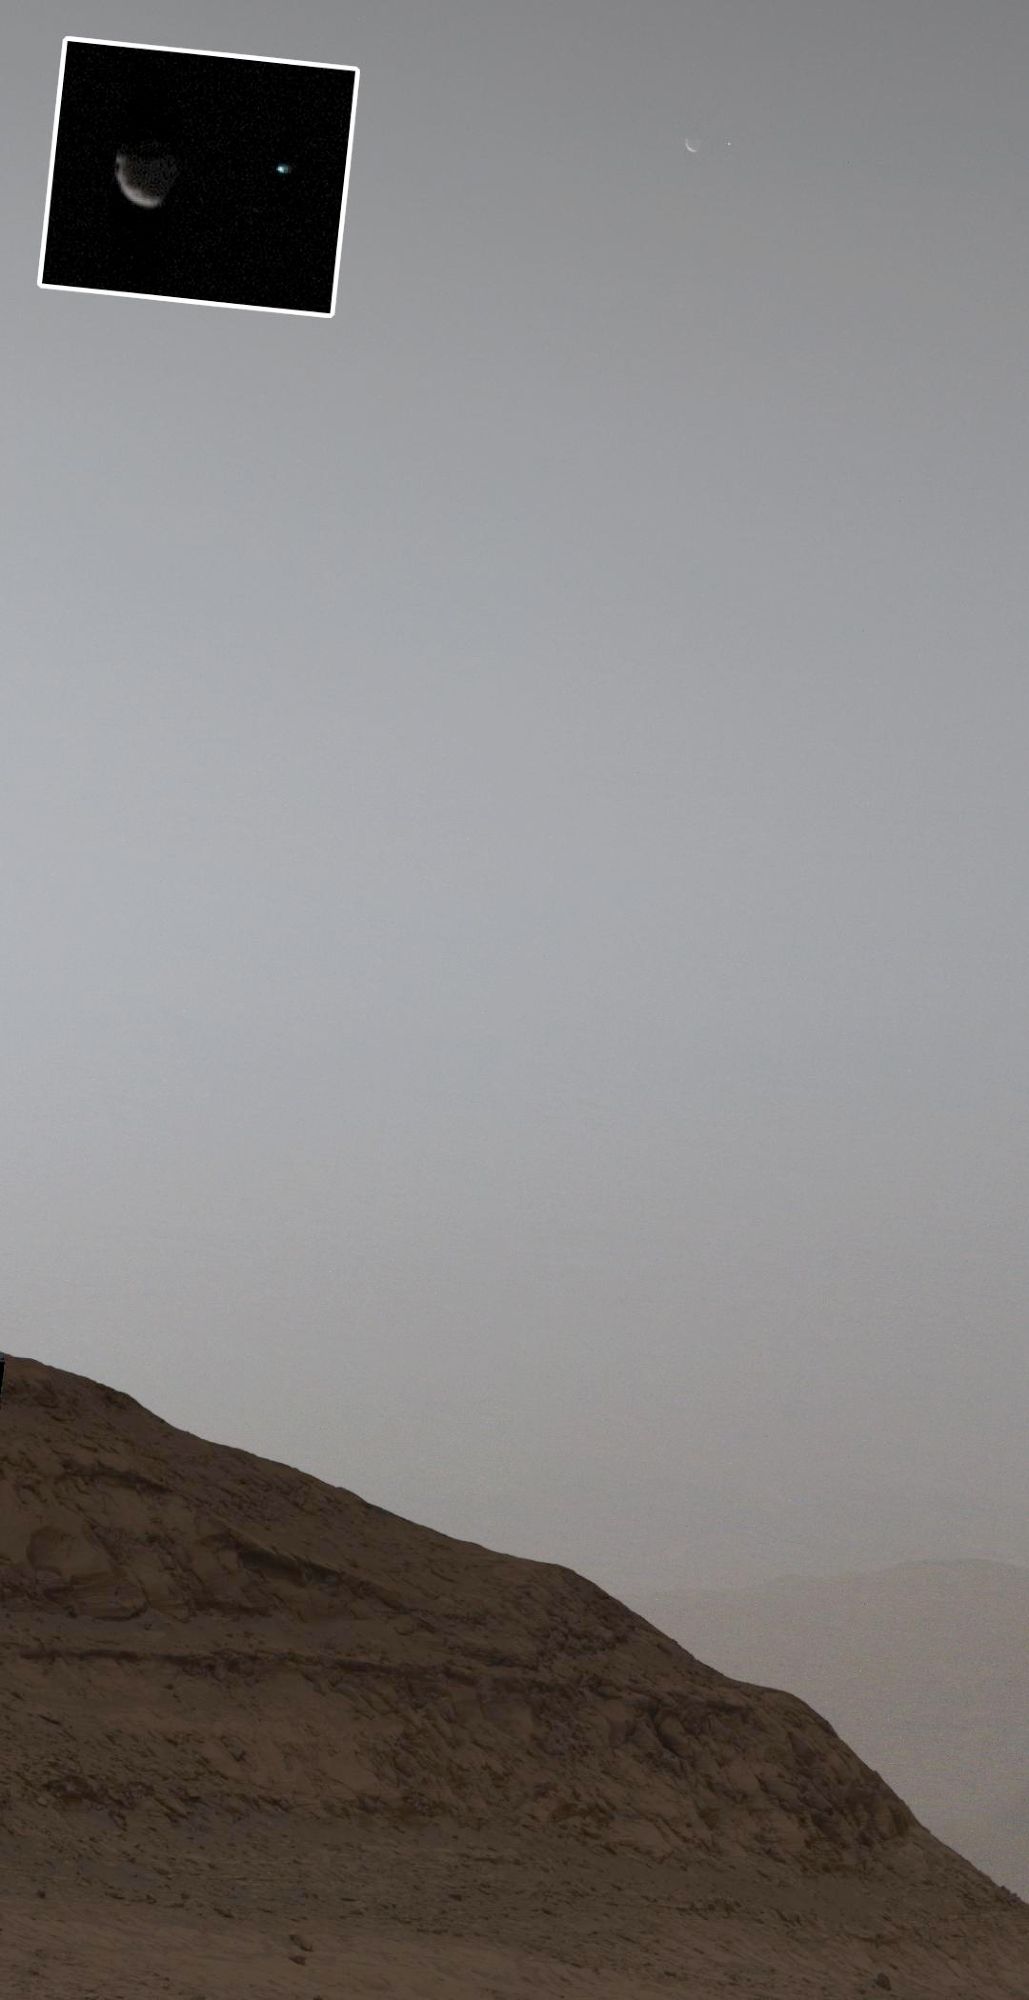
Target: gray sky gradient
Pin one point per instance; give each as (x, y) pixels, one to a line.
(513, 800)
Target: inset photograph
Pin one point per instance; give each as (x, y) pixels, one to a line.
(197, 175)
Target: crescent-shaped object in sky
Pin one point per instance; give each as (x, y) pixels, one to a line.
(691, 149)
(145, 177)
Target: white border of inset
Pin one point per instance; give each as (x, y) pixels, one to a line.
(227, 55)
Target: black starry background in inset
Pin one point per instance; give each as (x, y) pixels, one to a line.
(233, 229)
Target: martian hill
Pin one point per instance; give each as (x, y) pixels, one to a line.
(263, 1739)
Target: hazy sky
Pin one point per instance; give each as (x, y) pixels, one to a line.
(513, 800)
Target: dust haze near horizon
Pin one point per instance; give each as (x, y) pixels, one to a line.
(513, 800)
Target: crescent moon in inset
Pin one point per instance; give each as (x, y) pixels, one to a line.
(145, 178)
(691, 149)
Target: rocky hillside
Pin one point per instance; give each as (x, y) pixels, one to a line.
(216, 1669)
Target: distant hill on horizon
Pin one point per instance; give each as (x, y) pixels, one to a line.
(922, 1666)
(632, 1527)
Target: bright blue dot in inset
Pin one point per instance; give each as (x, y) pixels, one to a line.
(283, 167)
